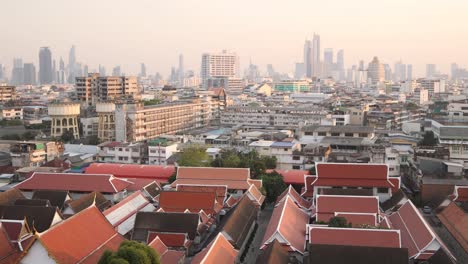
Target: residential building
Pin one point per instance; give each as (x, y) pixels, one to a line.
(7, 93)
(34, 154)
(159, 151)
(457, 112)
(286, 157)
(219, 65)
(376, 71)
(120, 152)
(455, 137)
(11, 113)
(95, 88)
(292, 86)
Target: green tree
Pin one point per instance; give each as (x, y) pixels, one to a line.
(194, 156)
(227, 159)
(428, 140)
(130, 252)
(312, 171)
(67, 136)
(29, 135)
(269, 162)
(273, 185)
(173, 177)
(11, 137)
(338, 222)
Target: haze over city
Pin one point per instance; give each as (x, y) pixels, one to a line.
(156, 32)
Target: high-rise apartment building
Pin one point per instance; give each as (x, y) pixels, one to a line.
(431, 70)
(72, 64)
(45, 66)
(308, 58)
(142, 70)
(17, 73)
(340, 65)
(219, 66)
(316, 63)
(29, 74)
(95, 88)
(376, 71)
(327, 62)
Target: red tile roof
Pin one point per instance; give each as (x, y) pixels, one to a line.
(81, 238)
(354, 237)
(354, 208)
(455, 220)
(287, 222)
(234, 178)
(153, 172)
(166, 255)
(255, 195)
(220, 190)
(416, 234)
(169, 239)
(171, 201)
(138, 184)
(74, 182)
(461, 194)
(231, 201)
(296, 197)
(351, 175)
(8, 253)
(292, 176)
(218, 251)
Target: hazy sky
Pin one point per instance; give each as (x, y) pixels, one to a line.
(118, 32)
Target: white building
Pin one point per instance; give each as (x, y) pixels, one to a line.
(219, 65)
(118, 152)
(11, 113)
(376, 71)
(160, 150)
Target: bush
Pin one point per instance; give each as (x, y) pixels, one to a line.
(130, 252)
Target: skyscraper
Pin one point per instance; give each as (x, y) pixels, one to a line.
(327, 62)
(431, 70)
(102, 70)
(143, 70)
(116, 71)
(316, 64)
(72, 65)
(340, 64)
(29, 74)
(376, 71)
(45, 66)
(409, 72)
(308, 58)
(181, 69)
(17, 72)
(299, 71)
(219, 66)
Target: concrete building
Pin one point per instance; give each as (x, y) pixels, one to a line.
(271, 116)
(34, 154)
(376, 71)
(96, 88)
(11, 113)
(457, 112)
(159, 151)
(64, 117)
(455, 137)
(46, 75)
(106, 121)
(432, 85)
(29, 72)
(89, 126)
(219, 65)
(7, 93)
(120, 152)
(292, 86)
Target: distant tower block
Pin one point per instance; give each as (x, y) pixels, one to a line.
(64, 117)
(106, 124)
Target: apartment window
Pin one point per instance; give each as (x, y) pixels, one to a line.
(322, 134)
(362, 134)
(152, 151)
(296, 167)
(382, 190)
(120, 158)
(285, 149)
(348, 134)
(391, 169)
(391, 158)
(335, 134)
(455, 147)
(120, 149)
(296, 157)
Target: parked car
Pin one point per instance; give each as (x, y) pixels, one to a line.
(427, 209)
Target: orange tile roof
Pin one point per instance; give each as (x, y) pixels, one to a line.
(7, 250)
(289, 222)
(461, 194)
(220, 190)
(172, 201)
(232, 185)
(166, 255)
(257, 196)
(354, 237)
(154, 172)
(329, 205)
(80, 237)
(455, 219)
(234, 178)
(257, 183)
(169, 239)
(158, 245)
(296, 197)
(292, 176)
(218, 251)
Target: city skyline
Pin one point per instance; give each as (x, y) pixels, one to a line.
(411, 33)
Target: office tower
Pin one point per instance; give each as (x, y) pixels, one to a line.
(102, 70)
(409, 72)
(327, 62)
(72, 65)
(453, 71)
(94, 88)
(340, 64)
(376, 71)
(17, 72)
(431, 70)
(299, 71)
(61, 72)
(54, 71)
(29, 74)
(142, 70)
(85, 70)
(316, 64)
(181, 68)
(45, 66)
(219, 66)
(116, 71)
(308, 58)
(252, 74)
(388, 72)
(270, 70)
(1, 72)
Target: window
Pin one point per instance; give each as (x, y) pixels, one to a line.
(348, 134)
(296, 167)
(335, 134)
(322, 134)
(391, 158)
(285, 149)
(362, 134)
(296, 158)
(391, 169)
(382, 190)
(120, 149)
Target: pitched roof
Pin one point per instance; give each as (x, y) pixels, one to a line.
(289, 222)
(85, 201)
(9, 197)
(154, 172)
(122, 215)
(172, 201)
(274, 253)
(292, 176)
(231, 201)
(234, 178)
(218, 251)
(33, 202)
(296, 197)
(87, 234)
(240, 221)
(165, 222)
(219, 190)
(416, 234)
(357, 209)
(8, 253)
(394, 200)
(363, 237)
(338, 254)
(169, 239)
(455, 219)
(153, 189)
(56, 198)
(166, 255)
(255, 195)
(40, 218)
(104, 183)
(461, 194)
